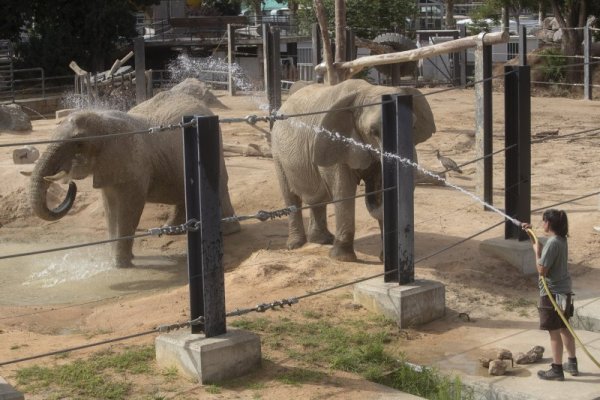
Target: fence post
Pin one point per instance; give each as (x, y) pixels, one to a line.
(230, 60)
(523, 45)
(463, 58)
(272, 61)
(517, 104)
(587, 52)
(205, 267)
(398, 204)
(140, 69)
(483, 121)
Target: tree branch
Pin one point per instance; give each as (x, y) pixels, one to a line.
(331, 76)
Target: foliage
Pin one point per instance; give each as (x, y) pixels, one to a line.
(553, 64)
(215, 7)
(90, 378)
(366, 21)
(51, 33)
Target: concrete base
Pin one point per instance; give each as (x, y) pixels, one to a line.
(409, 305)
(7, 392)
(209, 360)
(519, 254)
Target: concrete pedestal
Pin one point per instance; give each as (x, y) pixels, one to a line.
(519, 254)
(587, 315)
(409, 305)
(209, 360)
(7, 392)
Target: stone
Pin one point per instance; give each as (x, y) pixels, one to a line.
(497, 368)
(13, 118)
(7, 392)
(25, 155)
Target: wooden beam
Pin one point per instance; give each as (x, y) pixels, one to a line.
(357, 65)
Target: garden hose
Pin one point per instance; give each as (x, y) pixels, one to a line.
(534, 239)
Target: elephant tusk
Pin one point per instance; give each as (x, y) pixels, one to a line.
(59, 176)
(26, 173)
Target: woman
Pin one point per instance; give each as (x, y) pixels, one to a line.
(552, 263)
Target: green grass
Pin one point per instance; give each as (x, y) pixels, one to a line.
(213, 389)
(99, 376)
(357, 346)
(521, 305)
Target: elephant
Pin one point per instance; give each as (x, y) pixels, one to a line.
(130, 170)
(313, 168)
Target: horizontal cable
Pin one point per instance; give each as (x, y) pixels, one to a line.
(155, 129)
(556, 137)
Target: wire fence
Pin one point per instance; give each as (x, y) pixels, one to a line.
(261, 215)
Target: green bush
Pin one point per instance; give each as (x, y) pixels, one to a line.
(553, 64)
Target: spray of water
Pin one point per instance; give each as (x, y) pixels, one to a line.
(336, 136)
(214, 71)
(70, 267)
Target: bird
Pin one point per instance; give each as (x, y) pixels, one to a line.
(448, 163)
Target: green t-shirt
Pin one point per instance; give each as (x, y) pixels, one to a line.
(555, 258)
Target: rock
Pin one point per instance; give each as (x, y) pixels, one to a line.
(532, 356)
(547, 24)
(557, 36)
(497, 368)
(504, 354)
(485, 361)
(13, 118)
(554, 24)
(25, 155)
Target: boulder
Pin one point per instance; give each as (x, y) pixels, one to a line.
(497, 368)
(25, 155)
(13, 118)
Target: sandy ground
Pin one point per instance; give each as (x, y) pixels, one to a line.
(61, 299)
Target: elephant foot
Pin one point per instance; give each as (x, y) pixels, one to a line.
(295, 243)
(320, 237)
(343, 252)
(227, 228)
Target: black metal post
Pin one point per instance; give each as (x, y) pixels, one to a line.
(272, 62)
(140, 69)
(517, 104)
(587, 67)
(488, 130)
(463, 58)
(205, 267)
(230, 58)
(350, 45)
(398, 204)
(523, 45)
(455, 63)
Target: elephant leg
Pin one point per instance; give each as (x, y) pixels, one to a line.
(123, 208)
(178, 216)
(343, 245)
(227, 228)
(317, 226)
(296, 233)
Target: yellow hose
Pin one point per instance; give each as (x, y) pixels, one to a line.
(534, 239)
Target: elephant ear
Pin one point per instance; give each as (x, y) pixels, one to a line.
(336, 139)
(114, 159)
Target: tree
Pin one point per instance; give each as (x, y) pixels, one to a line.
(51, 33)
(366, 19)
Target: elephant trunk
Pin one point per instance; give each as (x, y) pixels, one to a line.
(55, 159)
(373, 183)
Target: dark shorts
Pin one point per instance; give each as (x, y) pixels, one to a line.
(549, 318)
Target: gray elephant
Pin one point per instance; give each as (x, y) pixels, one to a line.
(312, 168)
(130, 170)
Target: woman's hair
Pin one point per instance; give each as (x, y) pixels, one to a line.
(557, 219)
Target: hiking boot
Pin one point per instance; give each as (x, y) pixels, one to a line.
(571, 368)
(555, 373)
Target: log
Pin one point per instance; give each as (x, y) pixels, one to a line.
(452, 46)
(73, 65)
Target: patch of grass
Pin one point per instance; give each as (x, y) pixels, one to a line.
(298, 376)
(170, 374)
(18, 346)
(309, 314)
(553, 64)
(427, 383)
(257, 386)
(357, 346)
(213, 389)
(99, 376)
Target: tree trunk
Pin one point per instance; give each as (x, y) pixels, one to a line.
(571, 39)
(330, 75)
(450, 23)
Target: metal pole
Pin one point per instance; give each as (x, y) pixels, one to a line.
(483, 122)
(463, 59)
(524, 148)
(517, 102)
(587, 51)
(205, 246)
(266, 34)
(275, 50)
(455, 63)
(140, 69)
(511, 162)
(523, 46)
(398, 204)
(230, 58)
